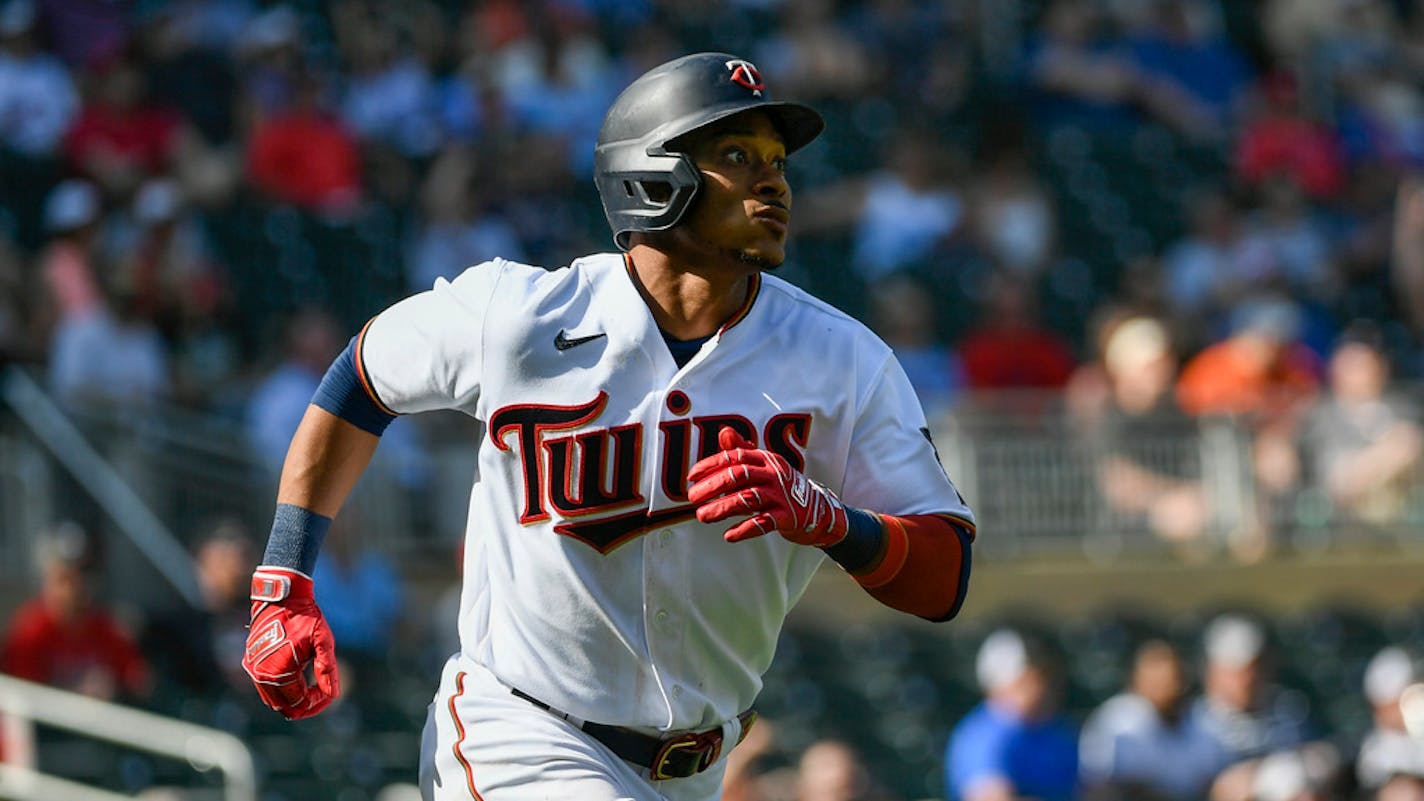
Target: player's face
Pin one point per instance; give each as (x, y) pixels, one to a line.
(743, 210)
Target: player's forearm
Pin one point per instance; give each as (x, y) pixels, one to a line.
(325, 460)
(919, 564)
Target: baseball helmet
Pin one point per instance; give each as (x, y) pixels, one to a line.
(666, 102)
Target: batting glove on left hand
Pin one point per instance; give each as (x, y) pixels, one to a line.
(288, 632)
(745, 480)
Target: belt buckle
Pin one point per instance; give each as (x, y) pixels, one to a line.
(686, 755)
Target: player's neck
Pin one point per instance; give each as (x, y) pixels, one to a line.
(686, 303)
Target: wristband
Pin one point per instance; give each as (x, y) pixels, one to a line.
(296, 538)
(862, 542)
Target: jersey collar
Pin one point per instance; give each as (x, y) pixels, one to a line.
(753, 290)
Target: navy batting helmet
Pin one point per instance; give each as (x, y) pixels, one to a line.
(664, 103)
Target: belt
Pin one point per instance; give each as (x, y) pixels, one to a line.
(671, 758)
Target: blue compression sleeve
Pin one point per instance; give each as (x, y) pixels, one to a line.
(344, 394)
(296, 538)
(862, 540)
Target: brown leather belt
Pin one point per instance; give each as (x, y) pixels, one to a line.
(671, 758)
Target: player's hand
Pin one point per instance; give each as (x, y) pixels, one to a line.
(287, 634)
(745, 480)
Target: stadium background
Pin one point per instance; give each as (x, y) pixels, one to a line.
(1202, 164)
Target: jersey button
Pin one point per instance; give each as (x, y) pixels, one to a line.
(666, 536)
(661, 618)
(677, 691)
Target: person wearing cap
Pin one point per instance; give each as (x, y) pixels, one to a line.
(1263, 377)
(1247, 714)
(1388, 750)
(62, 636)
(1147, 483)
(1016, 743)
(1141, 744)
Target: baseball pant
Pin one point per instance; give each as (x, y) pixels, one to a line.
(482, 743)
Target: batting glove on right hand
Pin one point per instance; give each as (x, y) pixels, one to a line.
(288, 633)
(745, 480)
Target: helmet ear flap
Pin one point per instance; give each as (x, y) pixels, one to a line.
(649, 192)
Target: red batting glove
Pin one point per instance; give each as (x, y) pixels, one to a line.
(745, 480)
(287, 634)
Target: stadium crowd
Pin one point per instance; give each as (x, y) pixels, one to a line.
(1164, 210)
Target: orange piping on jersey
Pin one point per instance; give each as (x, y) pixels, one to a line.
(460, 727)
(929, 577)
(361, 369)
(967, 525)
(753, 289)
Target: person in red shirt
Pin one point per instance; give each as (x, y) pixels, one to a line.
(1011, 348)
(305, 156)
(1283, 140)
(122, 136)
(62, 638)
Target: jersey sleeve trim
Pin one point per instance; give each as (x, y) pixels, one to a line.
(363, 375)
(897, 549)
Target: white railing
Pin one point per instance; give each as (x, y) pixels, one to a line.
(23, 704)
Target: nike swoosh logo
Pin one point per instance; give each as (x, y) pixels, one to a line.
(562, 341)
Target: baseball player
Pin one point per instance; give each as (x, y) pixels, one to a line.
(673, 443)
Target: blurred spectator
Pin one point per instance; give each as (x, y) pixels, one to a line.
(1388, 749)
(200, 648)
(897, 213)
(1364, 439)
(1288, 244)
(1144, 479)
(1012, 217)
(111, 355)
(1140, 744)
(1206, 267)
(1265, 377)
(15, 340)
(165, 252)
(305, 156)
(1015, 744)
(1280, 139)
(556, 81)
(269, 61)
(364, 592)
(121, 136)
(1241, 708)
(1185, 55)
(38, 100)
(742, 780)
(1076, 73)
(1010, 347)
(1310, 772)
(389, 93)
(68, 283)
(814, 55)
(63, 636)
(902, 312)
(460, 227)
(832, 770)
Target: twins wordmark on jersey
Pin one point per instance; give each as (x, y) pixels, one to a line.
(589, 475)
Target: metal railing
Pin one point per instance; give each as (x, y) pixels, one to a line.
(1036, 474)
(23, 704)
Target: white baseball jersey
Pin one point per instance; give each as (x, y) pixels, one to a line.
(588, 582)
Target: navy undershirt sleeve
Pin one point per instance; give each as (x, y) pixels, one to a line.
(861, 542)
(342, 393)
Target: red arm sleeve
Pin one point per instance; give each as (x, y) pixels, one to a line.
(924, 567)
